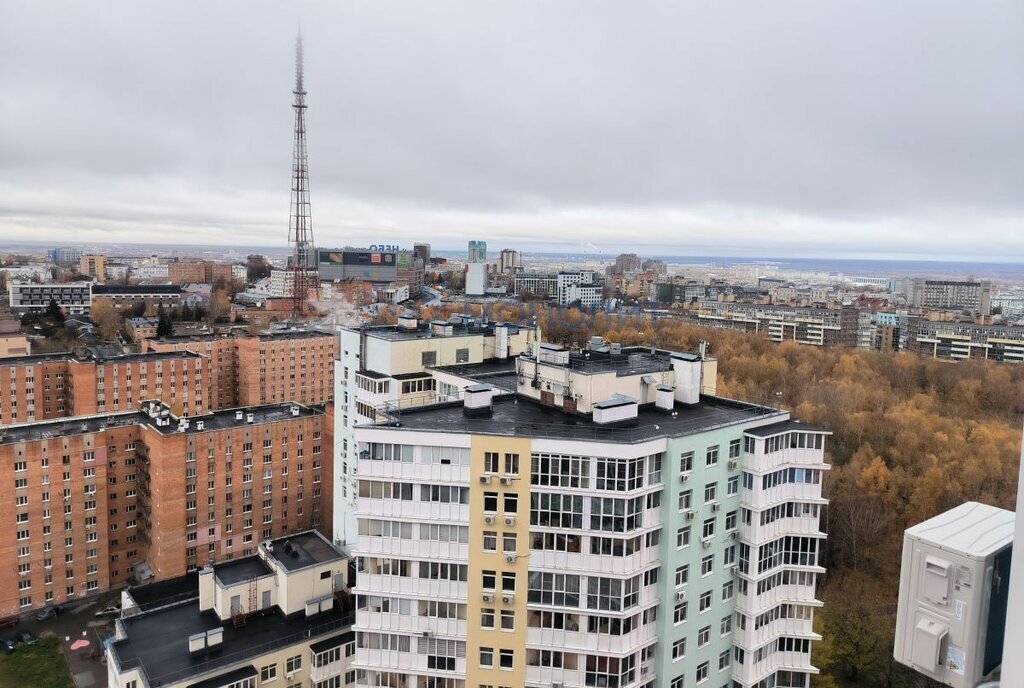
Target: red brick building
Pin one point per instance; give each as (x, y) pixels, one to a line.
(100, 499)
(49, 386)
(203, 271)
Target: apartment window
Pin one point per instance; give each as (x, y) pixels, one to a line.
(508, 581)
(491, 502)
(710, 492)
(512, 464)
(683, 537)
(730, 521)
(490, 462)
(711, 458)
(510, 503)
(679, 649)
(268, 673)
(506, 659)
(686, 462)
(702, 673)
(677, 682)
(724, 660)
(429, 358)
(726, 625)
(704, 636)
(708, 529)
(487, 656)
(734, 449)
(490, 541)
(486, 618)
(488, 579)
(508, 620)
(683, 575)
(705, 601)
(707, 565)
(685, 500)
(679, 613)
(508, 543)
(293, 664)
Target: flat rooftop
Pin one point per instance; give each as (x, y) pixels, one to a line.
(630, 361)
(166, 591)
(303, 549)
(267, 336)
(239, 570)
(215, 420)
(158, 641)
(520, 416)
(784, 426)
(424, 331)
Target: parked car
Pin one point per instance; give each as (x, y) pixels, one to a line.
(8, 644)
(110, 610)
(27, 638)
(49, 612)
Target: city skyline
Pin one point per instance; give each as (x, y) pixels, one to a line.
(838, 131)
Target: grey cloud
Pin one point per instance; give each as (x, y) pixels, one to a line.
(793, 126)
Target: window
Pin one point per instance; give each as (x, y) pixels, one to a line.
(707, 565)
(733, 486)
(512, 464)
(429, 358)
(508, 543)
(268, 673)
(462, 355)
(708, 529)
(702, 673)
(683, 575)
(685, 500)
(488, 579)
(511, 503)
(490, 462)
(710, 492)
(677, 682)
(486, 618)
(686, 462)
(734, 449)
(704, 636)
(293, 664)
(724, 659)
(726, 626)
(727, 591)
(555, 510)
(705, 601)
(487, 656)
(490, 541)
(506, 658)
(679, 649)
(683, 537)
(679, 613)
(508, 620)
(730, 521)
(711, 459)
(508, 581)
(491, 502)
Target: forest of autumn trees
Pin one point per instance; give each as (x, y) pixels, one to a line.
(911, 438)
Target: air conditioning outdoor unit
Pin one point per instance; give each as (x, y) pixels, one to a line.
(510, 521)
(485, 479)
(734, 464)
(488, 597)
(734, 535)
(510, 558)
(488, 520)
(707, 543)
(683, 477)
(689, 514)
(505, 480)
(680, 595)
(507, 598)
(716, 507)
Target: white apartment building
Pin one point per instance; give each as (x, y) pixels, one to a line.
(589, 533)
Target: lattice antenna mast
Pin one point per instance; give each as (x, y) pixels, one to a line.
(300, 224)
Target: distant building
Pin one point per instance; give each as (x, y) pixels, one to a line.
(204, 271)
(626, 262)
(953, 295)
(542, 285)
(477, 251)
(814, 326)
(958, 341)
(147, 271)
(422, 252)
(93, 266)
(152, 295)
(476, 279)
(282, 614)
(12, 341)
(655, 265)
(141, 329)
(65, 256)
(116, 271)
(74, 298)
(369, 265)
(509, 261)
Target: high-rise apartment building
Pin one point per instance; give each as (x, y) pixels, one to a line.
(626, 262)
(270, 367)
(50, 386)
(422, 252)
(406, 365)
(612, 524)
(966, 295)
(65, 255)
(477, 251)
(93, 266)
(99, 501)
(509, 261)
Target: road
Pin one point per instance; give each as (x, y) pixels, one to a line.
(435, 296)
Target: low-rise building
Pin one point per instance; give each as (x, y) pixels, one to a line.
(958, 341)
(141, 329)
(152, 295)
(74, 298)
(282, 614)
(814, 326)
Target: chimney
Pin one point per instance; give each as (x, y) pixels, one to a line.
(250, 417)
(238, 415)
(477, 401)
(664, 397)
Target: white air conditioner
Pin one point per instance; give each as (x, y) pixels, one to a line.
(683, 477)
(510, 521)
(680, 595)
(707, 543)
(688, 514)
(716, 506)
(734, 464)
(507, 598)
(289, 676)
(734, 535)
(485, 479)
(488, 520)
(488, 597)
(505, 480)
(510, 558)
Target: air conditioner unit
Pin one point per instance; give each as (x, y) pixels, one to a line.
(510, 558)
(644, 670)
(488, 597)
(426, 634)
(507, 598)
(716, 507)
(289, 676)
(510, 521)
(734, 535)
(688, 514)
(734, 464)
(505, 480)
(707, 543)
(683, 477)
(680, 595)
(485, 479)
(488, 520)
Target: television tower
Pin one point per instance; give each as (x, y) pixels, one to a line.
(302, 263)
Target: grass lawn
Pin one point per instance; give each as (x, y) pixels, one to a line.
(41, 666)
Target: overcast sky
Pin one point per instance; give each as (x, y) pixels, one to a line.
(846, 129)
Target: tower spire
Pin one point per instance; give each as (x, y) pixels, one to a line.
(300, 223)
